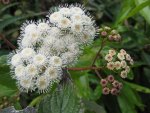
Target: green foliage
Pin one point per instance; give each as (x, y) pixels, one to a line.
(62, 100)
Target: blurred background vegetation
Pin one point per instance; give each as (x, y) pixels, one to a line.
(130, 17)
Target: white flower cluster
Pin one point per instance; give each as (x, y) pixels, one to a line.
(119, 61)
(46, 46)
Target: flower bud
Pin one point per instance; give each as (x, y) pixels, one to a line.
(110, 78)
(103, 82)
(106, 91)
(115, 83)
(104, 33)
(113, 91)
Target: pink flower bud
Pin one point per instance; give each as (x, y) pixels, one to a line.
(106, 91)
(103, 33)
(103, 82)
(115, 83)
(114, 91)
(110, 78)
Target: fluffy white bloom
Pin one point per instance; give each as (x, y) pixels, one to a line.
(30, 27)
(86, 20)
(43, 26)
(56, 61)
(16, 60)
(76, 17)
(39, 59)
(120, 56)
(26, 42)
(52, 73)
(19, 71)
(77, 27)
(108, 57)
(76, 10)
(64, 22)
(27, 53)
(31, 70)
(42, 83)
(55, 17)
(65, 11)
(127, 69)
(25, 83)
(45, 47)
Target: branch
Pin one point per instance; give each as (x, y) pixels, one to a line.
(102, 44)
(7, 42)
(84, 68)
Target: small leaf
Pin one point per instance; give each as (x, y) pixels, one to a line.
(93, 106)
(138, 87)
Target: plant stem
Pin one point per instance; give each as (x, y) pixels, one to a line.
(98, 53)
(84, 68)
(7, 42)
(98, 74)
(35, 101)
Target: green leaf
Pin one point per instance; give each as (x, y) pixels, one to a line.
(8, 6)
(93, 106)
(62, 100)
(144, 12)
(138, 87)
(138, 8)
(11, 20)
(6, 91)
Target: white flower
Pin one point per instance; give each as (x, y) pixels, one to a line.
(52, 73)
(112, 52)
(65, 11)
(76, 17)
(64, 23)
(31, 27)
(56, 61)
(39, 59)
(68, 58)
(43, 26)
(86, 20)
(76, 10)
(26, 42)
(25, 83)
(123, 64)
(31, 70)
(55, 31)
(27, 53)
(33, 37)
(131, 62)
(55, 17)
(128, 57)
(108, 57)
(77, 27)
(117, 65)
(123, 74)
(127, 69)
(91, 30)
(123, 52)
(42, 83)
(19, 71)
(110, 65)
(120, 56)
(16, 60)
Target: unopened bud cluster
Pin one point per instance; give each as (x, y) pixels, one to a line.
(46, 46)
(110, 34)
(110, 85)
(119, 62)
